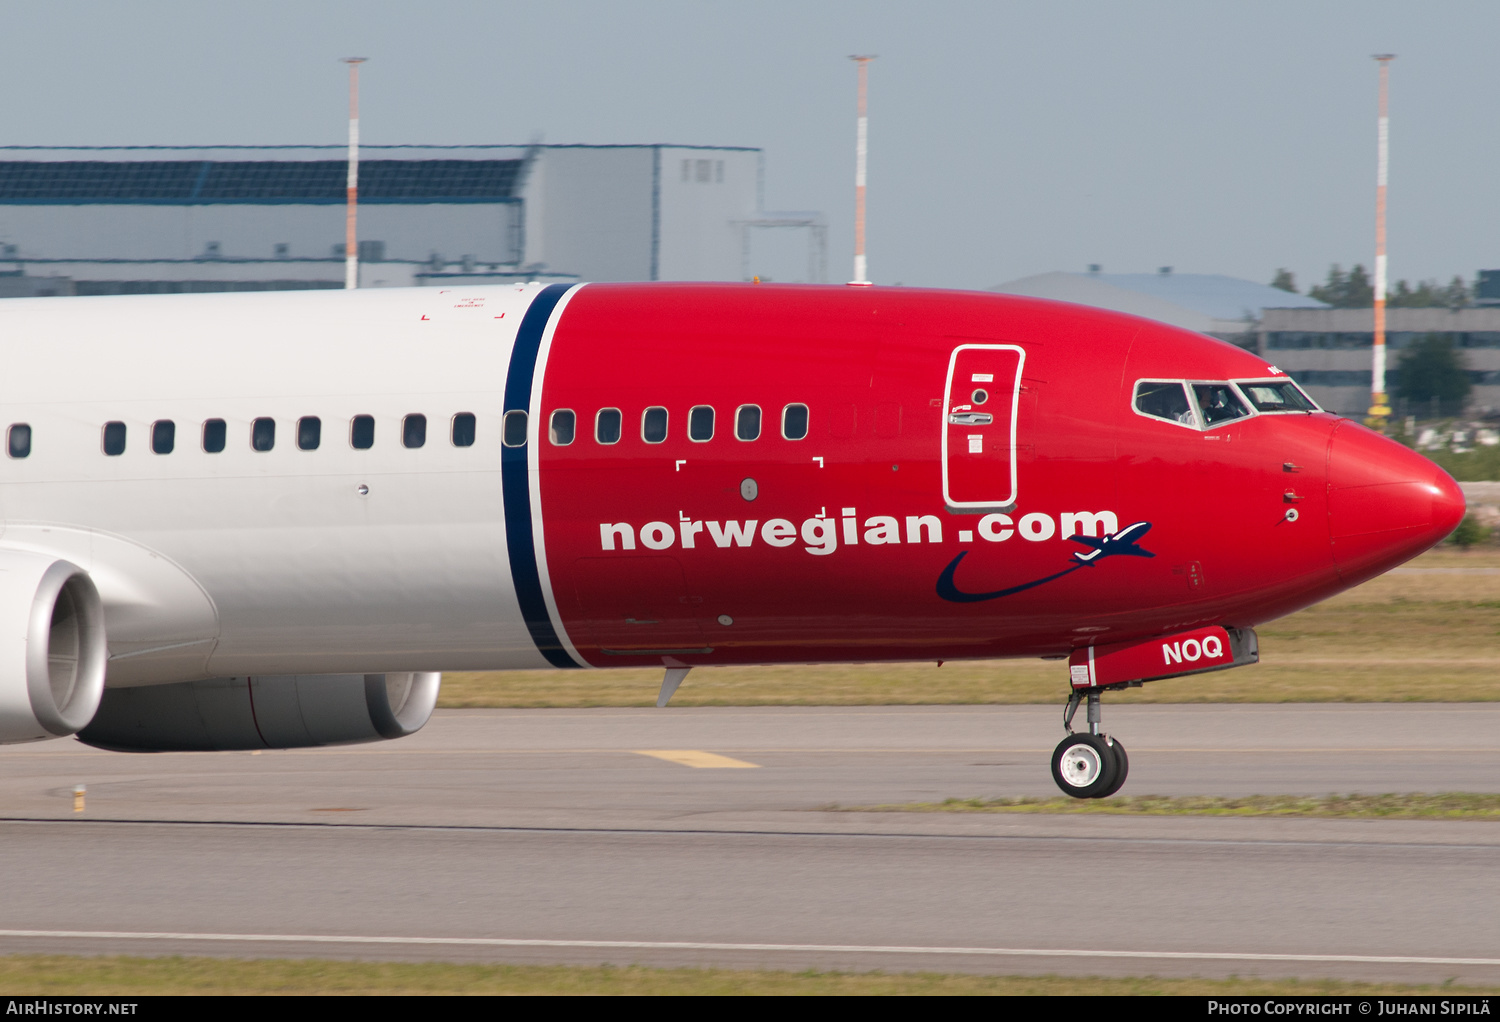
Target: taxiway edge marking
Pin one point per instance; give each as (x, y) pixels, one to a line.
(685, 945)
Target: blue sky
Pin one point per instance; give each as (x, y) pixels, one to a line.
(1006, 138)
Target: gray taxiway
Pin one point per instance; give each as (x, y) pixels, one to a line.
(719, 836)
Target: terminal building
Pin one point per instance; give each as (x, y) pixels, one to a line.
(126, 220)
(1328, 351)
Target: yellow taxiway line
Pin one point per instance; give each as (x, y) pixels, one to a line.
(698, 758)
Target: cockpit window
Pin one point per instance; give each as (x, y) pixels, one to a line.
(1219, 403)
(1276, 396)
(1165, 401)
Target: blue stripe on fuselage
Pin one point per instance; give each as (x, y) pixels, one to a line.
(515, 478)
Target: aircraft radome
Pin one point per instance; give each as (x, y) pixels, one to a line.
(271, 520)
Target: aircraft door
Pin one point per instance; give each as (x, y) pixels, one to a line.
(979, 427)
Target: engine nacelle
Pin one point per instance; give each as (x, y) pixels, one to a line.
(52, 647)
(288, 712)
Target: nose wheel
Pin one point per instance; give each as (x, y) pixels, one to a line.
(1091, 765)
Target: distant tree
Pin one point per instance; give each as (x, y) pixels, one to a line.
(1285, 281)
(1353, 290)
(1429, 294)
(1468, 532)
(1430, 368)
(1342, 290)
(1331, 290)
(1360, 293)
(1456, 295)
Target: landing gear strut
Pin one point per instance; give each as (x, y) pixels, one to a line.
(1091, 765)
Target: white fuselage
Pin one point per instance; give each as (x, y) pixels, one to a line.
(285, 561)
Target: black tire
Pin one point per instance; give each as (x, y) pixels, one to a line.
(1083, 765)
(1122, 769)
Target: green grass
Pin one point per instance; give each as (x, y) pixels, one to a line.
(1479, 465)
(60, 975)
(1398, 638)
(1449, 805)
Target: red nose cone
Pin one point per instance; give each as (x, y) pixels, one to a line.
(1386, 503)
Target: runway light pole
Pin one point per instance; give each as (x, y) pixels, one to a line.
(861, 153)
(1380, 408)
(351, 236)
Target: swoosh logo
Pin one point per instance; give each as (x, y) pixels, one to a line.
(948, 590)
(1113, 545)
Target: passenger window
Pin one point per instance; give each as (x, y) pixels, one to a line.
(362, 432)
(309, 433)
(794, 422)
(1164, 401)
(701, 423)
(18, 440)
(1277, 396)
(564, 425)
(114, 438)
(1219, 403)
(214, 434)
(163, 436)
(513, 429)
(607, 426)
(263, 434)
(654, 425)
(747, 422)
(414, 430)
(463, 429)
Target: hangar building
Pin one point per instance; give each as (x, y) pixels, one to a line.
(120, 220)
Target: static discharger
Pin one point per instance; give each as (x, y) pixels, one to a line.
(78, 792)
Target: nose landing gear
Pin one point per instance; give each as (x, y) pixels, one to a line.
(1091, 765)
(1094, 765)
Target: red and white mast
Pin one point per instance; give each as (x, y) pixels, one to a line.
(1380, 408)
(351, 236)
(861, 153)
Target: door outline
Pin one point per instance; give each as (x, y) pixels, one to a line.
(974, 506)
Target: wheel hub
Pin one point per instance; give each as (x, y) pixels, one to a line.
(1081, 766)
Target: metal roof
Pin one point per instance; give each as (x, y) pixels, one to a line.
(1198, 301)
(1211, 293)
(284, 182)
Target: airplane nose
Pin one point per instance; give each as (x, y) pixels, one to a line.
(1386, 503)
